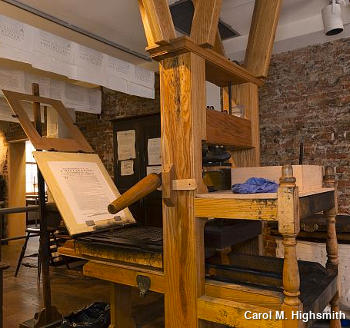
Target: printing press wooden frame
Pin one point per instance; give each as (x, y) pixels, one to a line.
(179, 273)
(185, 64)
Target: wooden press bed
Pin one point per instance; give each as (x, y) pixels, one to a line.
(249, 283)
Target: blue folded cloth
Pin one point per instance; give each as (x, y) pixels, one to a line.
(255, 186)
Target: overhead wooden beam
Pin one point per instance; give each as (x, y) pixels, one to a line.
(218, 46)
(146, 24)
(262, 36)
(205, 22)
(157, 20)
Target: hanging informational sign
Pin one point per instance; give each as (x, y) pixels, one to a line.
(46, 51)
(72, 96)
(153, 151)
(126, 145)
(127, 167)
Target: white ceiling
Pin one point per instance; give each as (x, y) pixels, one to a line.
(119, 21)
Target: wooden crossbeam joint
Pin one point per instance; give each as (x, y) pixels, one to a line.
(205, 22)
(157, 21)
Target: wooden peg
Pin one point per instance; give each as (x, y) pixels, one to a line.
(287, 179)
(168, 194)
(329, 177)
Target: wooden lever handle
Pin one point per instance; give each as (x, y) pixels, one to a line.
(141, 189)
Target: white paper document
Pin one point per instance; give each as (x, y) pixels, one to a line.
(127, 167)
(153, 150)
(85, 188)
(126, 145)
(154, 169)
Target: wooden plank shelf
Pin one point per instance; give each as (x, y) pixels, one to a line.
(228, 130)
(219, 70)
(227, 205)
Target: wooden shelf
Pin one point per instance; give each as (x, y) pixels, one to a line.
(219, 70)
(225, 204)
(228, 130)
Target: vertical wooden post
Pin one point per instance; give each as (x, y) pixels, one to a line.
(289, 227)
(121, 307)
(332, 243)
(182, 87)
(246, 95)
(49, 314)
(16, 188)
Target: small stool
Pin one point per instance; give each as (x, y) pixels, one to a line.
(31, 232)
(35, 232)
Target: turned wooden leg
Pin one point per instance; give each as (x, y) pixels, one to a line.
(291, 279)
(121, 307)
(332, 243)
(335, 323)
(289, 227)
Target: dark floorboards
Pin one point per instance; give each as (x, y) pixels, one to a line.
(71, 291)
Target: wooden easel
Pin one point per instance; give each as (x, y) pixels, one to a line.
(49, 315)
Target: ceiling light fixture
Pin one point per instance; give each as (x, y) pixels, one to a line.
(332, 17)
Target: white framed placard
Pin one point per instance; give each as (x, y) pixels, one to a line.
(82, 190)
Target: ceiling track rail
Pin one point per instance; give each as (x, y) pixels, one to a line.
(76, 29)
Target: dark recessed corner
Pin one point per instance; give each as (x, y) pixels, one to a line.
(182, 12)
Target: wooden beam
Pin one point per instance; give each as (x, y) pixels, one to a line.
(146, 25)
(219, 70)
(232, 313)
(262, 36)
(243, 294)
(158, 23)
(124, 275)
(205, 22)
(246, 94)
(218, 46)
(255, 209)
(16, 188)
(121, 307)
(182, 85)
(230, 130)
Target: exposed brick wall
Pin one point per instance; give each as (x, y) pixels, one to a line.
(98, 129)
(307, 96)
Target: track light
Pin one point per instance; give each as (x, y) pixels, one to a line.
(332, 18)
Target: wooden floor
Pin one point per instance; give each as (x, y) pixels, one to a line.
(70, 291)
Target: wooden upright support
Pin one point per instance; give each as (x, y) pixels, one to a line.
(182, 85)
(156, 17)
(289, 227)
(205, 22)
(246, 95)
(332, 243)
(262, 36)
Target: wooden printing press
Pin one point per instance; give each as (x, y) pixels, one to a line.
(196, 289)
(128, 255)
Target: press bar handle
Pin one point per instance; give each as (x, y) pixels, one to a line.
(141, 189)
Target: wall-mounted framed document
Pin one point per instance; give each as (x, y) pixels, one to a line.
(82, 190)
